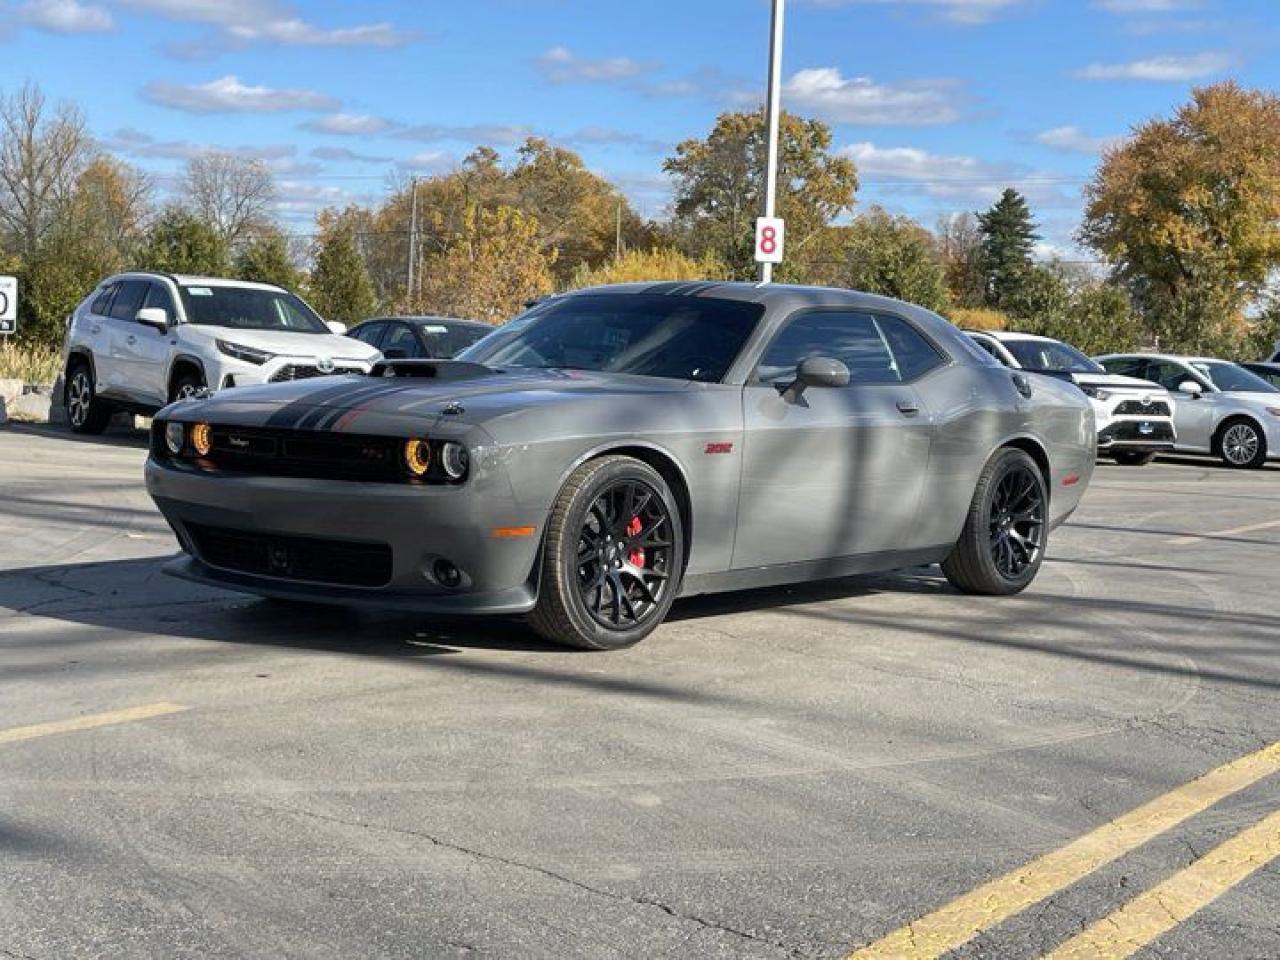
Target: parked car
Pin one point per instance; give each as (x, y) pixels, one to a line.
(613, 448)
(1223, 409)
(1269, 372)
(1134, 416)
(143, 340)
(420, 338)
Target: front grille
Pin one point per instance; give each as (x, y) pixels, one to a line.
(1136, 408)
(308, 559)
(302, 371)
(1131, 431)
(304, 453)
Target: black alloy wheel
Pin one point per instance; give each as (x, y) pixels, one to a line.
(1017, 521)
(624, 555)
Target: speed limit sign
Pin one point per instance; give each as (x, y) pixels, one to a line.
(8, 305)
(770, 232)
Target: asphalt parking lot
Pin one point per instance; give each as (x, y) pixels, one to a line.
(878, 763)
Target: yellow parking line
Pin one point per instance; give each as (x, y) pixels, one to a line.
(1163, 907)
(15, 734)
(992, 903)
(1196, 538)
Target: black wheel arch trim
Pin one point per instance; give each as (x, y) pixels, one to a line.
(185, 358)
(74, 355)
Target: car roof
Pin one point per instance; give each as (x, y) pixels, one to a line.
(421, 320)
(1174, 357)
(190, 280)
(1008, 335)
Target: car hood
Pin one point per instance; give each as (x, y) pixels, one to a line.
(464, 394)
(1113, 381)
(285, 343)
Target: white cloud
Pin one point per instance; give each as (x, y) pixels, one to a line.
(825, 92)
(608, 137)
(956, 178)
(228, 95)
(1146, 6)
(343, 155)
(66, 16)
(1166, 69)
(957, 11)
(349, 124)
(269, 21)
(139, 144)
(1074, 140)
(429, 161)
(561, 65)
(491, 134)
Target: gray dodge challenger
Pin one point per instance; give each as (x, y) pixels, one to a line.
(615, 448)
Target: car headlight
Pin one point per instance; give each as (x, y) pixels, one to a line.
(175, 434)
(201, 441)
(454, 459)
(417, 457)
(240, 352)
(1096, 393)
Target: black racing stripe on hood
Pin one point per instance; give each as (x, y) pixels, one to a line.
(293, 414)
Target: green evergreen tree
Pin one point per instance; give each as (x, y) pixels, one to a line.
(1008, 236)
(180, 242)
(340, 287)
(265, 259)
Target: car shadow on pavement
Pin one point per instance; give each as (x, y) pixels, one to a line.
(116, 435)
(133, 597)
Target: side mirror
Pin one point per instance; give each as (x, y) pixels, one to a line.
(157, 317)
(1190, 388)
(817, 372)
(336, 327)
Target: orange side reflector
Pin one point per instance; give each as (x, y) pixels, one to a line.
(510, 533)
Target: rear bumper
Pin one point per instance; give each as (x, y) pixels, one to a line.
(298, 539)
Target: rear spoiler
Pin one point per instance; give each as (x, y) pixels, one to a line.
(430, 369)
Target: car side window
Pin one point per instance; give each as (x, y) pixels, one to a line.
(401, 338)
(875, 349)
(159, 296)
(988, 347)
(1170, 375)
(128, 299)
(1126, 367)
(102, 303)
(369, 333)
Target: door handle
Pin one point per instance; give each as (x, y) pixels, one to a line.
(1023, 384)
(908, 408)
(131, 340)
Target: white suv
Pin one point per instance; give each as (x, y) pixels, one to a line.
(1135, 417)
(142, 340)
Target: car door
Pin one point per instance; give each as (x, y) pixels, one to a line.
(145, 351)
(120, 326)
(369, 332)
(93, 332)
(835, 471)
(1195, 416)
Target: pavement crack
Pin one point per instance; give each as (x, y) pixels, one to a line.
(6, 952)
(485, 857)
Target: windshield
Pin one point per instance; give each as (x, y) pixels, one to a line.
(249, 308)
(680, 338)
(1050, 355)
(1232, 377)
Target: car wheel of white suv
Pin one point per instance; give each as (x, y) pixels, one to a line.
(85, 412)
(187, 386)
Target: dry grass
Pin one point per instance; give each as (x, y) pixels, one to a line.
(28, 362)
(978, 318)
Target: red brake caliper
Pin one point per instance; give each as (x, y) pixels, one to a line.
(636, 557)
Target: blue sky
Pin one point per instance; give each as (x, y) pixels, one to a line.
(941, 103)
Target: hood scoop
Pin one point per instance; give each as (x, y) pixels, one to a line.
(430, 369)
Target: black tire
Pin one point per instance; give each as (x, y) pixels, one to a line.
(1133, 458)
(1241, 444)
(594, 595)
(186, 386)
(85, 412)
(1005, 534)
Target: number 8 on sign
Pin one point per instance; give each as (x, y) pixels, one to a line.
(770, 234)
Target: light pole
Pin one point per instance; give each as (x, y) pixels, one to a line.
(773, 114)
(413, 244)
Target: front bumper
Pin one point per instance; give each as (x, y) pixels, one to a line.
(1137, 434)
(415, 526)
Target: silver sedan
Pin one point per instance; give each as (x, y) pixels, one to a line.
(1224, 409)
